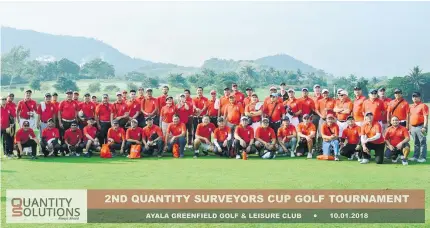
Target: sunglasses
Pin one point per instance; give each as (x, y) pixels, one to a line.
(74, 125)
(3, 99)
(341, 95)
(26, 125)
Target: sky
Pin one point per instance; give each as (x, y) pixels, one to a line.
(362, 38)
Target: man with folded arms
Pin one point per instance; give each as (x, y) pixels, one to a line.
(103, 118)
(88, 108)
(306, 131)
(233, 112)
(133, 136)
(133, 106)
(399, 108)
(25, 137)
(396, 139)
(287, 137)
(90, 139)
(252, 112)
(203, 137)
(293, 107)
(152, 139)
(350, 139)
(67, 113)
(175, 133)
(274, 111)
(222, 138)
(386, 101)
(343, 109)
(418, 114)
(149, 106)
(265, 139)
(73, 144)
(244, 137)
(330, 136)
(375, 106)
(120, 111)
(372, 139)
(357, 110)
(116, 138)
(50, 137)
(45, 110)
(26, 110)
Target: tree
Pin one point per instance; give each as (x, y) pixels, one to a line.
(135, 76)
(153, 82)
(99, 69)
(63, 84)
(224, 80)
(177, 80)
(35, 83)
(50, 71)
(68, 68)
(13, 63)
(94, 87)
(416, 79)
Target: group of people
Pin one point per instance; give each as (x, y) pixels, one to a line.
(232, 125)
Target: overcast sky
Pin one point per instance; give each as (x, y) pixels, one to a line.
(364, 38)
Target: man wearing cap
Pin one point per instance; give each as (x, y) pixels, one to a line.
(317, 93)
(357, 110)
(190, 123)
(94, 100)
(343, 109)
(396, 139)
(73, 144)
(67, 113)
(287, 137)
(265, 139)
(103, 118)
(274, 111)
(222, 138)
(141, 95)
(375, 106)
(254, 111)
(224, 101)
(55, 102)
(372, 139)
(162, 98)
(25, 137)
(283, 93)
(26, 110)
(200, 108)
(76, 97)
(183, 110)
(88, 109)
(386, 101)
(133, 106)
(45, 110)
(152, 139)
(203, 137)
(11, 105)
(166, 114)
(149, 106)
(350, 140)
(5, 123)
(90, 139)
(248, 98)
(308, 104)
(176, 132)
(324, 106)
(306, 131)
(213, 107)
(330, 136)
(120, 111)
(269, 99)
(116, 138)
(233, 113)
(238, 96)
(418, 123)
(50, 139)
(316, 97)
(399, 108)
(244, 137)
(293, 108)
(133, 136)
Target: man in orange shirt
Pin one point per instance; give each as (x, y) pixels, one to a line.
(244, 137)
(375, 106)
(274, 111)
(149, 106)
(316, 97)
(396, 139)
(254, 112)
(72, 143)
(224, 101)
(133, 106)
(200, 104)
(162, 98)
(45, 110)
(213, 107)
(133, 136)
(152, 139)
(116, 138)
(293, 107)
(176, 132)
(203, 137)
(357, 110)
(94, 100)
(265, 138)
(50, 139)
(287, 137)
(399, 108)
(248, 98)
(323, 107)
(90, 139)
(350, 135)
(418, 122)
(233, 113)
(268, 99)
(330, 136)
(25, 137)
(167, 113)
(103, 118)
(67, 113)
(120, 111)
(141, 96)
(308, 104)
(238, 96)
(372, 139)
(343, 109)
(386, 101)
(306, 131)
(222, 138)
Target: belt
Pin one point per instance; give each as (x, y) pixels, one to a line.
(276, 121)
(342, 121)
(104, 121)
(69, 121)
(418, 125)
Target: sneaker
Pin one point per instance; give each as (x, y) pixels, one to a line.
(77, 155)
(309, 156)
(336, 158)
(9, 157)
(413, 159)
(351, 158)
(364, 161)
(51, 154)
(238, 156)
(274, 156)
(181, 156)
(128, 156)
(402, 157)
(190, 146)
(33, 157)
(395, 160)
(292, 155)
(405, 162)
(195, 156)
(421, 160)
(67, 155)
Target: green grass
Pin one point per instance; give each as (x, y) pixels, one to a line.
(210, 173)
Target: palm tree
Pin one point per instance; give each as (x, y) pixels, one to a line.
(352, 78)
(248, 74)
(416, 78)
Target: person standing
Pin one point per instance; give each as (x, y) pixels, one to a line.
(213, 107)
(418, 123)
(282, 92)
(343, 109)
(308, 104)
(357, 110)
(238, 96)
(274, 111)
(26, 110)
(224, 101)
(315, 118)
(252, 112)
(149, 106)
(133, 106)
(67, 113)
(103, 118)
(94, 100)
(167, 113)
(5, 123)
(183, 109)
(375, 106)
(163, 97)
(233, 113)
(46, 111)
(399, 108)
(248, 98)
(386, 101)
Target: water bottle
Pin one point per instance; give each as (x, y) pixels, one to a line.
(244, 155)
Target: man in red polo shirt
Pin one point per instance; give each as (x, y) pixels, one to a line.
(315, 118)
(50, 139)
(73, 145)
(26, 110)
(190, 123)
(244, 137)
(11, 105)
(167, 113)
(133, 136)
(238, 96)
(149, 106)
(67, 113)
(175, 134)
(45, 110)
(357, 110)
(133, 106)
(308, 104)
(5, 123)
(274, 111)
(203, 137)
(116, 138)
(90, 139)
(222, 138)
(103, 118)
(254, 112)
(88, 108)
(293, 107)
(213, 107)
(287, 137)
(396, 139)
(141, 95)
(350, 140)
(224, 101)
(152, 139)
(248, 98)
(399, 108)
(25, 137)
(372, 139)
(94, 100)
(120, 111)
(124, 96)
(269, 98)
(265, 138)
(200, 104)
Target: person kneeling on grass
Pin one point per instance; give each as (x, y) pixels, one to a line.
(90, 138)
(133, 136)
(330, 135)
(306, 131)
(50, 137)
(396, 139)
(265, 140)
(73, 144)
(350, 136)
(116, 138)
(287, 137)
(244, 137)
(203, 137)
(175, 133)
(25, 137)
(222, 138)
(372, 139)
(152, 138)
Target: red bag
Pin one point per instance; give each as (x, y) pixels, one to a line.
(135, 151)
(175, 150)
(325, 157)
(105, 151)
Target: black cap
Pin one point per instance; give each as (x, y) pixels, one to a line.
(55, 94)
(87, 95)
(220, 119)
(226, 88)
(286, 118)
(169, 97)
(69, 92)
(373, 91)
(29, 91)
(10, 95)
(397, 91)
(368, 113)
(249, 89)
(25, 122)
(50, 120)
(149, 118)
(48, 95)
(357, 88)
(74, 122)
(416, 94)
(381, 89)
(115, 122)
(91, 118)
(75, 92)
(350, 118)
(94, 96)
(132, 91)
(282, 84)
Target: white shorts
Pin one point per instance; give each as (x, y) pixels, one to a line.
(164, 126)
(205, 147)
(359, 123)
(342, 127)
(294, 120)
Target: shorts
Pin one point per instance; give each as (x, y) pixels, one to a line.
(205, 147)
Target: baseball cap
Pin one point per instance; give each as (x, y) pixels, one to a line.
(282, 84)
(29, 91)
(55, 94)
(169, 97)
(149, 118)
(220, 119)
(48, 95)
(290, 90)
(234, 84)
(105, 95)
(343, 92)
(357, 88)
(69, 92)
(265, 120)
(244, 118)
(50, 120)
(76, 92)
(397, 91)
(10, 95)
(339, 90)
(381, 89)
(87, 94)
(350, 118)
(274, 95)
(317, 85)
(325, 90)
(416, 94)
(213, 92)
(254, 95)
(305, 89)
(373, 91)
(149, 89)
(226, 88)
(286, 118)
(272, 88)
(118, 93)
(330, 116)
(368, 113)
(249, 89)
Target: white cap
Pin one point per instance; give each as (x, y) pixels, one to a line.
(344, 92)
(324, 90)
